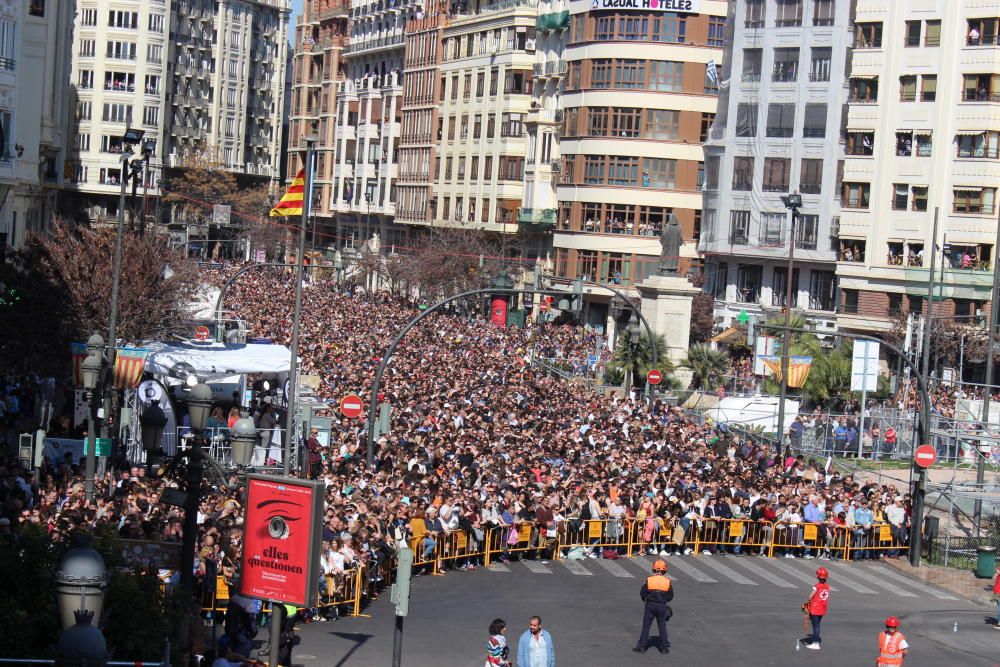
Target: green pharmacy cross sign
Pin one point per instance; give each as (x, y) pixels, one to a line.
(743, 318)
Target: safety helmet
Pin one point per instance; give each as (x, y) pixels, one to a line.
(892, 622)
(822, 573)
(660, 565)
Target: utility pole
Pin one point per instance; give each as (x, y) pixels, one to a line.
(793, 202)
(991, 326)
(293, 367)
(917, 514)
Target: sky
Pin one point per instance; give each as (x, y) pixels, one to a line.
(296, 9)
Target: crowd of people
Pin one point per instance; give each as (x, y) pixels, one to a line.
(482, 441)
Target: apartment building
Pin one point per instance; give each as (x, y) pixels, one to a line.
(777, 132)
(33, 115)
(320, 39)
(202, 79)
(368, 109)
(636, 95)
(922, 140)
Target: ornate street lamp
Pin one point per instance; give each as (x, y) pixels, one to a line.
(152, 421)
(244, 439)
(81, 645)
(91, 371)
(199, 402)
(95, 344)
(81, 581)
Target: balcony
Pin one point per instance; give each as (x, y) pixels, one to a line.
(338, 11)
(537, 219)
(387, 42)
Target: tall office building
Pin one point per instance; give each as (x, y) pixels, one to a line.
(34, 68)
(199, 77)
(922, 139)
(777, 132)
(637, 95)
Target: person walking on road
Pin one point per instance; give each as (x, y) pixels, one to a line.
(996, 595)
(892, 646)
(535, 648)
(656, 593)
(496, 647)
(815, 608)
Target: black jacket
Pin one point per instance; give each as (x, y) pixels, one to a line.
(655, 595)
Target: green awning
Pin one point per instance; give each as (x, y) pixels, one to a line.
(553, 21)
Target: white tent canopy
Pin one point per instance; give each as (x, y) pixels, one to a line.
(217, 360)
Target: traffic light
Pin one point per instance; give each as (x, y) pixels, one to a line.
(577, 296)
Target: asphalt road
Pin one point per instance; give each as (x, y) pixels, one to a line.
(729, 610)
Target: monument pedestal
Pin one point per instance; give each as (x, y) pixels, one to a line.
(666, 305)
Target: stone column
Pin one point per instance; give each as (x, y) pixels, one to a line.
(666, 305)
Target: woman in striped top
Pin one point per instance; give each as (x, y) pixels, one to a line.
(496, 647)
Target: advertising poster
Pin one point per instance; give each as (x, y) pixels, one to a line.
(281, 538)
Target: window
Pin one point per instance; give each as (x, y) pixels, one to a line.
(780, 120)
(633, 28)
(743, 173)
(746, 120)
(772, 229)
(860, 143)
(822, 290)
(152, 84)
(868, 35)
(981, 87)
(752, 62)
(87, 48)
(83, 110)
(666, 75)
(788, 13)
(850, 301)
(477, 127)
(120, 19)
(716, 31)
(748, 282)
(597, 121)
(230, 126)
(895, 305)
(625, 122)
(786, 65)
(900, 196)
(811, 176)
(755, 15)
(806, 231)
(36, 8)
(467, 88)
(814, 124)
(776, 174)
(600, 73)
(593, 170)
(156, 23)
(924, 141)
(154, 53)
(824, 12)
(819, 64)
(855, 195)
(623, 170)
(117, 113)
(671, 29)
(494, 81)
(604, 28)
(779, 287)
(88, 17)
(150, 115)
(739, 227)
(82, 142)
(86, 79)
(904, 143)
(932, 33)
(661, 173)
(919, 198)
(928, 87)
(120, 51)
(863, 90)
(907, 88)
(630, 73)
(663, 124)
(978, 145)
(979, 201)
(707, 120)
(911, 36)
(230, 96)
(480, 84)
(454, 87)
(512, 125)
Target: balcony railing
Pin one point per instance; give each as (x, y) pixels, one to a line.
(819, 76)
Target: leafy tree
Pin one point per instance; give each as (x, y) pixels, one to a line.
(708, 366)
(702, 317)
(636, 359)
(64, 280)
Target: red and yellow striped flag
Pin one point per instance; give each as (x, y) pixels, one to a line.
(291, 203)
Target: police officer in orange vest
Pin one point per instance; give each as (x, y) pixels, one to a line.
(815, 608)
(656, 593)
(892, 646)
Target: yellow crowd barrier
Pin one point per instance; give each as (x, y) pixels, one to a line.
(735, 535)
(876, 540)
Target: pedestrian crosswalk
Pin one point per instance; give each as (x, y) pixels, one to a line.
(859, 578)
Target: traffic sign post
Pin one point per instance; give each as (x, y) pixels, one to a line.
(544, 306)
(654, 376)
(924, 456)
(351, 406)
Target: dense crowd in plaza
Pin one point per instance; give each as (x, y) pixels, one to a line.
(482, 441)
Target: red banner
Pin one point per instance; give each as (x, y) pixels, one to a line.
(498, 311)
(281, 539)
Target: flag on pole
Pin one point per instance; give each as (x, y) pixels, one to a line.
(798, 368)
(712, 72)
(79, 352)
(129, 365)
(291, 203)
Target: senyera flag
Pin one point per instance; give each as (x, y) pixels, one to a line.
(291, 203)
(798, 368)
(129, 364)
(79, 352)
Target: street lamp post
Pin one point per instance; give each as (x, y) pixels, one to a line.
(244, 439)
(81, 582)
(199, 402)
(91, 372)
(152, 422)
(792, 202)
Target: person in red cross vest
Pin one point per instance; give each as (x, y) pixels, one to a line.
(892, 646)
(815, 608)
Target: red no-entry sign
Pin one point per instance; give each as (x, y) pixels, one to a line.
(543, 306)
(925, 456)
(654, 376)
(351, 406)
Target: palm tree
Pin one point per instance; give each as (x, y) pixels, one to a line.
(708, 366)
(636, 358)
(802, 343)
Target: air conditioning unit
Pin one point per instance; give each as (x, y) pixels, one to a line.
(529, 45)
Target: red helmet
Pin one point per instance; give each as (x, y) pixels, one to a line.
(822, 573)
(660, 565)
(892, 622)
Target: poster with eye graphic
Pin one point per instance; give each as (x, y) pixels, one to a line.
(281, 539)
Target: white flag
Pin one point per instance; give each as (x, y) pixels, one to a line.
(829, 462)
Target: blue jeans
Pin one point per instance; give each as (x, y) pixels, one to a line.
(429, 544)
(813, 637)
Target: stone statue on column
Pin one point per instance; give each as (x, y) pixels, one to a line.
(670, 247)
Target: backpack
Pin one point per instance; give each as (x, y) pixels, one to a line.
(610, 554)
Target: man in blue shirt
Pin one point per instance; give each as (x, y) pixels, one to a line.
(863, 518)
(840, 437)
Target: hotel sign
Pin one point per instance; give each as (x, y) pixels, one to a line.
(681, 6)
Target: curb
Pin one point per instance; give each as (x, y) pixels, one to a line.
(933, 574)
